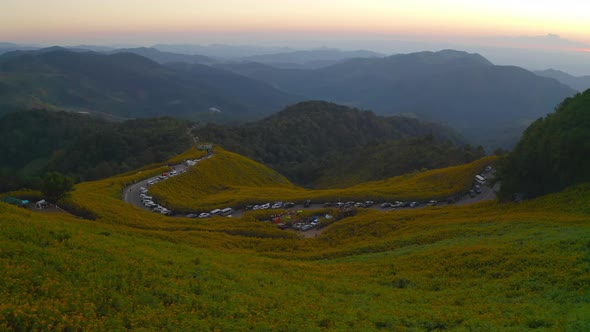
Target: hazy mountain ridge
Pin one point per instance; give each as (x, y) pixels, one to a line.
(579, 83)
(463, 90)
(129, 85)
(310, 59)
(166, 57)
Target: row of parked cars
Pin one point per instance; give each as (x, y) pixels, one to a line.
(226, 212)
(164, 176)
(148, 202)
(266, 206)
(349, 205)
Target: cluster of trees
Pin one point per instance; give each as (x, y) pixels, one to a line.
(83, 147)
(312, 142)
(552, 154)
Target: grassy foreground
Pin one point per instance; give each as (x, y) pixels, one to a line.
(486, 267)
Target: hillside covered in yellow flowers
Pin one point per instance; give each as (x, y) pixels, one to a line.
(483, 267)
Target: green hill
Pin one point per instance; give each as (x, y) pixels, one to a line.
(229, 179)
(553, 153)
(311, 142)
(128, 85)
(490, 266)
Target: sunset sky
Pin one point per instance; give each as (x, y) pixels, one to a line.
(194, 21)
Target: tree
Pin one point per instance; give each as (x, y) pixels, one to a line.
(56, 186)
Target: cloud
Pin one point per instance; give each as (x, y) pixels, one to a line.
(550, 42)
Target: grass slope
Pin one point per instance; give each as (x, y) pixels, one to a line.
(228, 179)
(490, 266)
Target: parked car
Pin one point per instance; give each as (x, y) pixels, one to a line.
(358, 204)
(369, 204)
(248, 207)
(327, 204)
(265, 206)
(277, 205)
(432, 203)
(281, 226)
(386, 205)
(204, 215)
(414, 204)
(288, 205)
(306, 227)
(192, 215)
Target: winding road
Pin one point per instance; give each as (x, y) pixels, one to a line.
(132, 192)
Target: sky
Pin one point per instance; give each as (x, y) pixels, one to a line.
(388, 26)
(156, 21)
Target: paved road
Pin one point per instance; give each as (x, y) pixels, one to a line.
(131, 195)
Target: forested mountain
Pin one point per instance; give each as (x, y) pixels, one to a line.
(553, 152)
(33, 142)
(487, 103)
(128, 85)
(579, 83)
(313, 142)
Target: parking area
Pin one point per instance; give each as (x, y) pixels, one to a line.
(294, 216)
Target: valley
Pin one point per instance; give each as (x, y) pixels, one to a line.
(197, 194)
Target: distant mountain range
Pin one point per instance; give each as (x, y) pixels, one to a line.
(127, 85)
(580, 83)
(489, 104)
(310, 59)
(166, 57)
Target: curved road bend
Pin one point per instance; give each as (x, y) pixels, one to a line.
(131, 195)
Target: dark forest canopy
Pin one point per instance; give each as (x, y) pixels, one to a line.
(84, 147)
(320, 143)
(554, 152)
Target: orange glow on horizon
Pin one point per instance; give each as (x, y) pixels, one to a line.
(427, 19)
